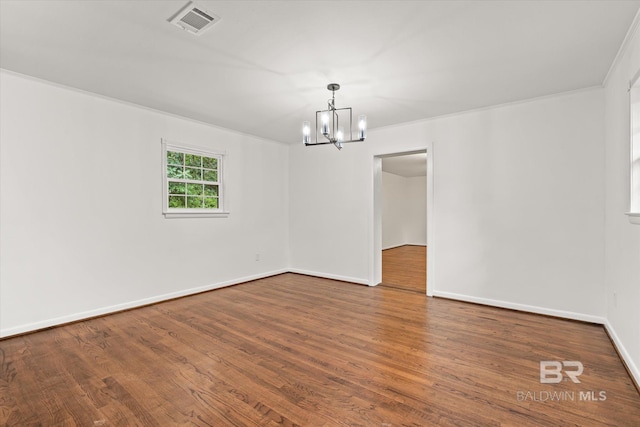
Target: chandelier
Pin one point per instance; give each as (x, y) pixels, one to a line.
(330, 128)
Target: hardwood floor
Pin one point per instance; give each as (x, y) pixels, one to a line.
(405, 267)
(297, 350)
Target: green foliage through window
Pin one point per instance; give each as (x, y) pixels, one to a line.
(192, 181)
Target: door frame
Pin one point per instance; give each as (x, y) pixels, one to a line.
(375, 273)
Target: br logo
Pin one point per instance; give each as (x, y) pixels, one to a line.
(551, 371)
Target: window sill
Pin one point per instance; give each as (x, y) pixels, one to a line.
(196, 214)
(634, 217)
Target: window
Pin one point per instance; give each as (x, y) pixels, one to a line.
(634, 107)
(193, 182)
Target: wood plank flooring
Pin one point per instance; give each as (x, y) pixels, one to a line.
(405, 267)
(297, 350)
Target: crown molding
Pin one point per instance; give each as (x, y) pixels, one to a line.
(623, 47)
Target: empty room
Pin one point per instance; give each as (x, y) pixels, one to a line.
(319, 213)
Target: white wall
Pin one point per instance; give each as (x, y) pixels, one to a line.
(416, 215)
(404, 210)
(394, 196)
(622, 267)
(81, 224)
(518, 196)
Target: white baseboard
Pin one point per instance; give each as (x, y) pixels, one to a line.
(622, 351)
(522, 307)
(30, 327)
(403, 244)
(330, 276)
(393, 246)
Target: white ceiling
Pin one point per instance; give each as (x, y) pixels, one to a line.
(264, 67)
(409, 165)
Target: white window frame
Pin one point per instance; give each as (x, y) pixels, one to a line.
(634, 151)
(221, 211)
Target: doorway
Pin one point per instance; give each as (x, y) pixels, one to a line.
(402, 218)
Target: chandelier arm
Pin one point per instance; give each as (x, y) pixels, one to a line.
(320, 143)
(332, 142)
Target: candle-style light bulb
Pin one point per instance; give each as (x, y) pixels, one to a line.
(306, 132)
(362, 127)
(324, 118)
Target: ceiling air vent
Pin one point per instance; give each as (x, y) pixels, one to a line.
(194, 19)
